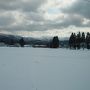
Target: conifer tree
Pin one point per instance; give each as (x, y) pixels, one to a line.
(55, 42)
(78, 40)
(22, 42)
(72, 41)
(88, 40)
(83, 40)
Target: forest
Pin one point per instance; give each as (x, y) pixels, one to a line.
(75, 41)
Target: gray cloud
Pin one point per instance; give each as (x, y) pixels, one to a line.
(32, 18)
(26, 6)
(81, 7)
(39, 24)
(6, 20)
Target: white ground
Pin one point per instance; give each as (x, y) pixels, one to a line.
(44, 69)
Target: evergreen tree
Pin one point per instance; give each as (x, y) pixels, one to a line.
(55, 42)
(83, 40)
(88, 40)
(78, 40)
(21, 42)
(72, 41)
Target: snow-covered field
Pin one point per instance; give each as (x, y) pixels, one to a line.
(44, 69)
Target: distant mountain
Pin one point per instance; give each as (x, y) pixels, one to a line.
(35, 41)
(13, 39)
(9, 39)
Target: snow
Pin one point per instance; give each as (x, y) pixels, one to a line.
(44, 69)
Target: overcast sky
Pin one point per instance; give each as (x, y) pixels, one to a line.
(44, 17)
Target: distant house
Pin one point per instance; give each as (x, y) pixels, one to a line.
(40, 46)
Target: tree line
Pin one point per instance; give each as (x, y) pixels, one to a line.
(53, 44)
(77, 41)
